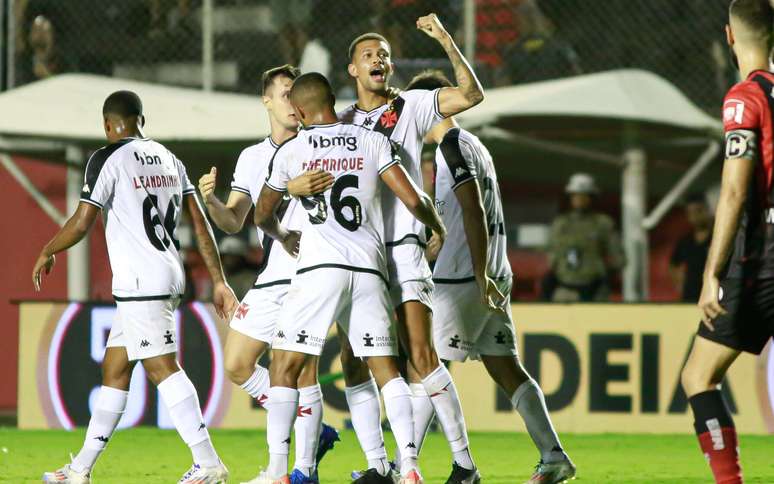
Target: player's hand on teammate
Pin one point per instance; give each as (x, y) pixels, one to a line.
(310, 182)
(224, 300)
(207, 184)
(291, 242)
(434, 246)
(709, 301)
(44, 263)
(432, 26)
(491, 295)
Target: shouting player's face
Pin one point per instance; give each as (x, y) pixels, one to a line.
(371, 65)
(277, 102)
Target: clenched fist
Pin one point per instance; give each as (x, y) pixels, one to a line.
(207, 184)
(430, 25)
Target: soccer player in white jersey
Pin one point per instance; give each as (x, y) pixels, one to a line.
(473, 277)
(141, 188)
(341, 274)
(253, 324)
(406, 119)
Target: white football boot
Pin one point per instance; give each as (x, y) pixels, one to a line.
(66, 475)
(205, 475)
(263, 478)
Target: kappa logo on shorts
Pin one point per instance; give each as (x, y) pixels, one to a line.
(242, 310)
(144, 343)
(280, 334)
(302, 337)
(368, 340)
(168, 338)
(455, 341)
(500, 338)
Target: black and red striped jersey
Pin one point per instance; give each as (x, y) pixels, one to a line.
(748, 109)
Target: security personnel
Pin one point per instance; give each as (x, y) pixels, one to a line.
(583, 247)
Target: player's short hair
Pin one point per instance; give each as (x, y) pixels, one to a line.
(287, 70)
(122, 103)
(756, 15)
(363, 38)
(429, 80)
(312, 88)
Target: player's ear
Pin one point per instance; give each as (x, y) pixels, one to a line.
(142, 120)
(729, 35)
(266, 101)
(352, 70)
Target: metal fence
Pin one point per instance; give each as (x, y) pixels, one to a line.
(226, 44)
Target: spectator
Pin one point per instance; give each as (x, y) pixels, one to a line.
(583, 248)
(686, 266)
(45, 56)
(291, 18)
(239, 273)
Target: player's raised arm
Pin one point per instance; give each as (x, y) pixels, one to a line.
(229, 216)
(222, 296)
(266, 219)
(737, 173)
(73, 231)
(468, 92)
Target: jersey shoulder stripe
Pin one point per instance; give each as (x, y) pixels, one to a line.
(271, 164)
(455, 159)
(94, 167)
(389, 119)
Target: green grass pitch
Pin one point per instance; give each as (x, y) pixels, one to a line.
(148, 456)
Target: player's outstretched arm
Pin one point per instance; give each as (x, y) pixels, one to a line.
(73, 231)
(468, 93)
(266, 219)
(222, 296)
(474, 221)
(229, 217)
(737, 173)
(417, 201)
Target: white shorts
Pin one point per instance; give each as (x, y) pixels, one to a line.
(145, 328)
(358, 301)
(410, 275)
(464, 328)
(259, 311)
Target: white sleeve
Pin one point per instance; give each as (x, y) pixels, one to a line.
(423, 105)
(384, 151)
(185, 182)
(241, 182)
(278, 178)
(458, 158)
(99, 179)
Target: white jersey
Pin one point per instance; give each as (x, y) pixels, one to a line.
(462, 158)
(139, 185)
(251, 171)
(345, 227)
(406, 121)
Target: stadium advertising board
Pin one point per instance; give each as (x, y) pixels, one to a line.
(604, 368)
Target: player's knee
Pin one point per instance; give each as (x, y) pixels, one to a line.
(285, 368)
(116, 378)
(424, 359)
(238, 370)
(694, 380)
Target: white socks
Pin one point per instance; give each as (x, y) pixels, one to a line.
(365, 412)
(182, 403)
(529, 401)
(397, 404)
(423, 411)
(443, 394)
(257, 386)
(108, 408)
(307, 428)
(281, 412)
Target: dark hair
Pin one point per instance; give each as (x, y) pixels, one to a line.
(696, 197)
(312, 87)
(286, 70)
(757, 15)
(122, 103)
(429, 80)
(363, 38)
